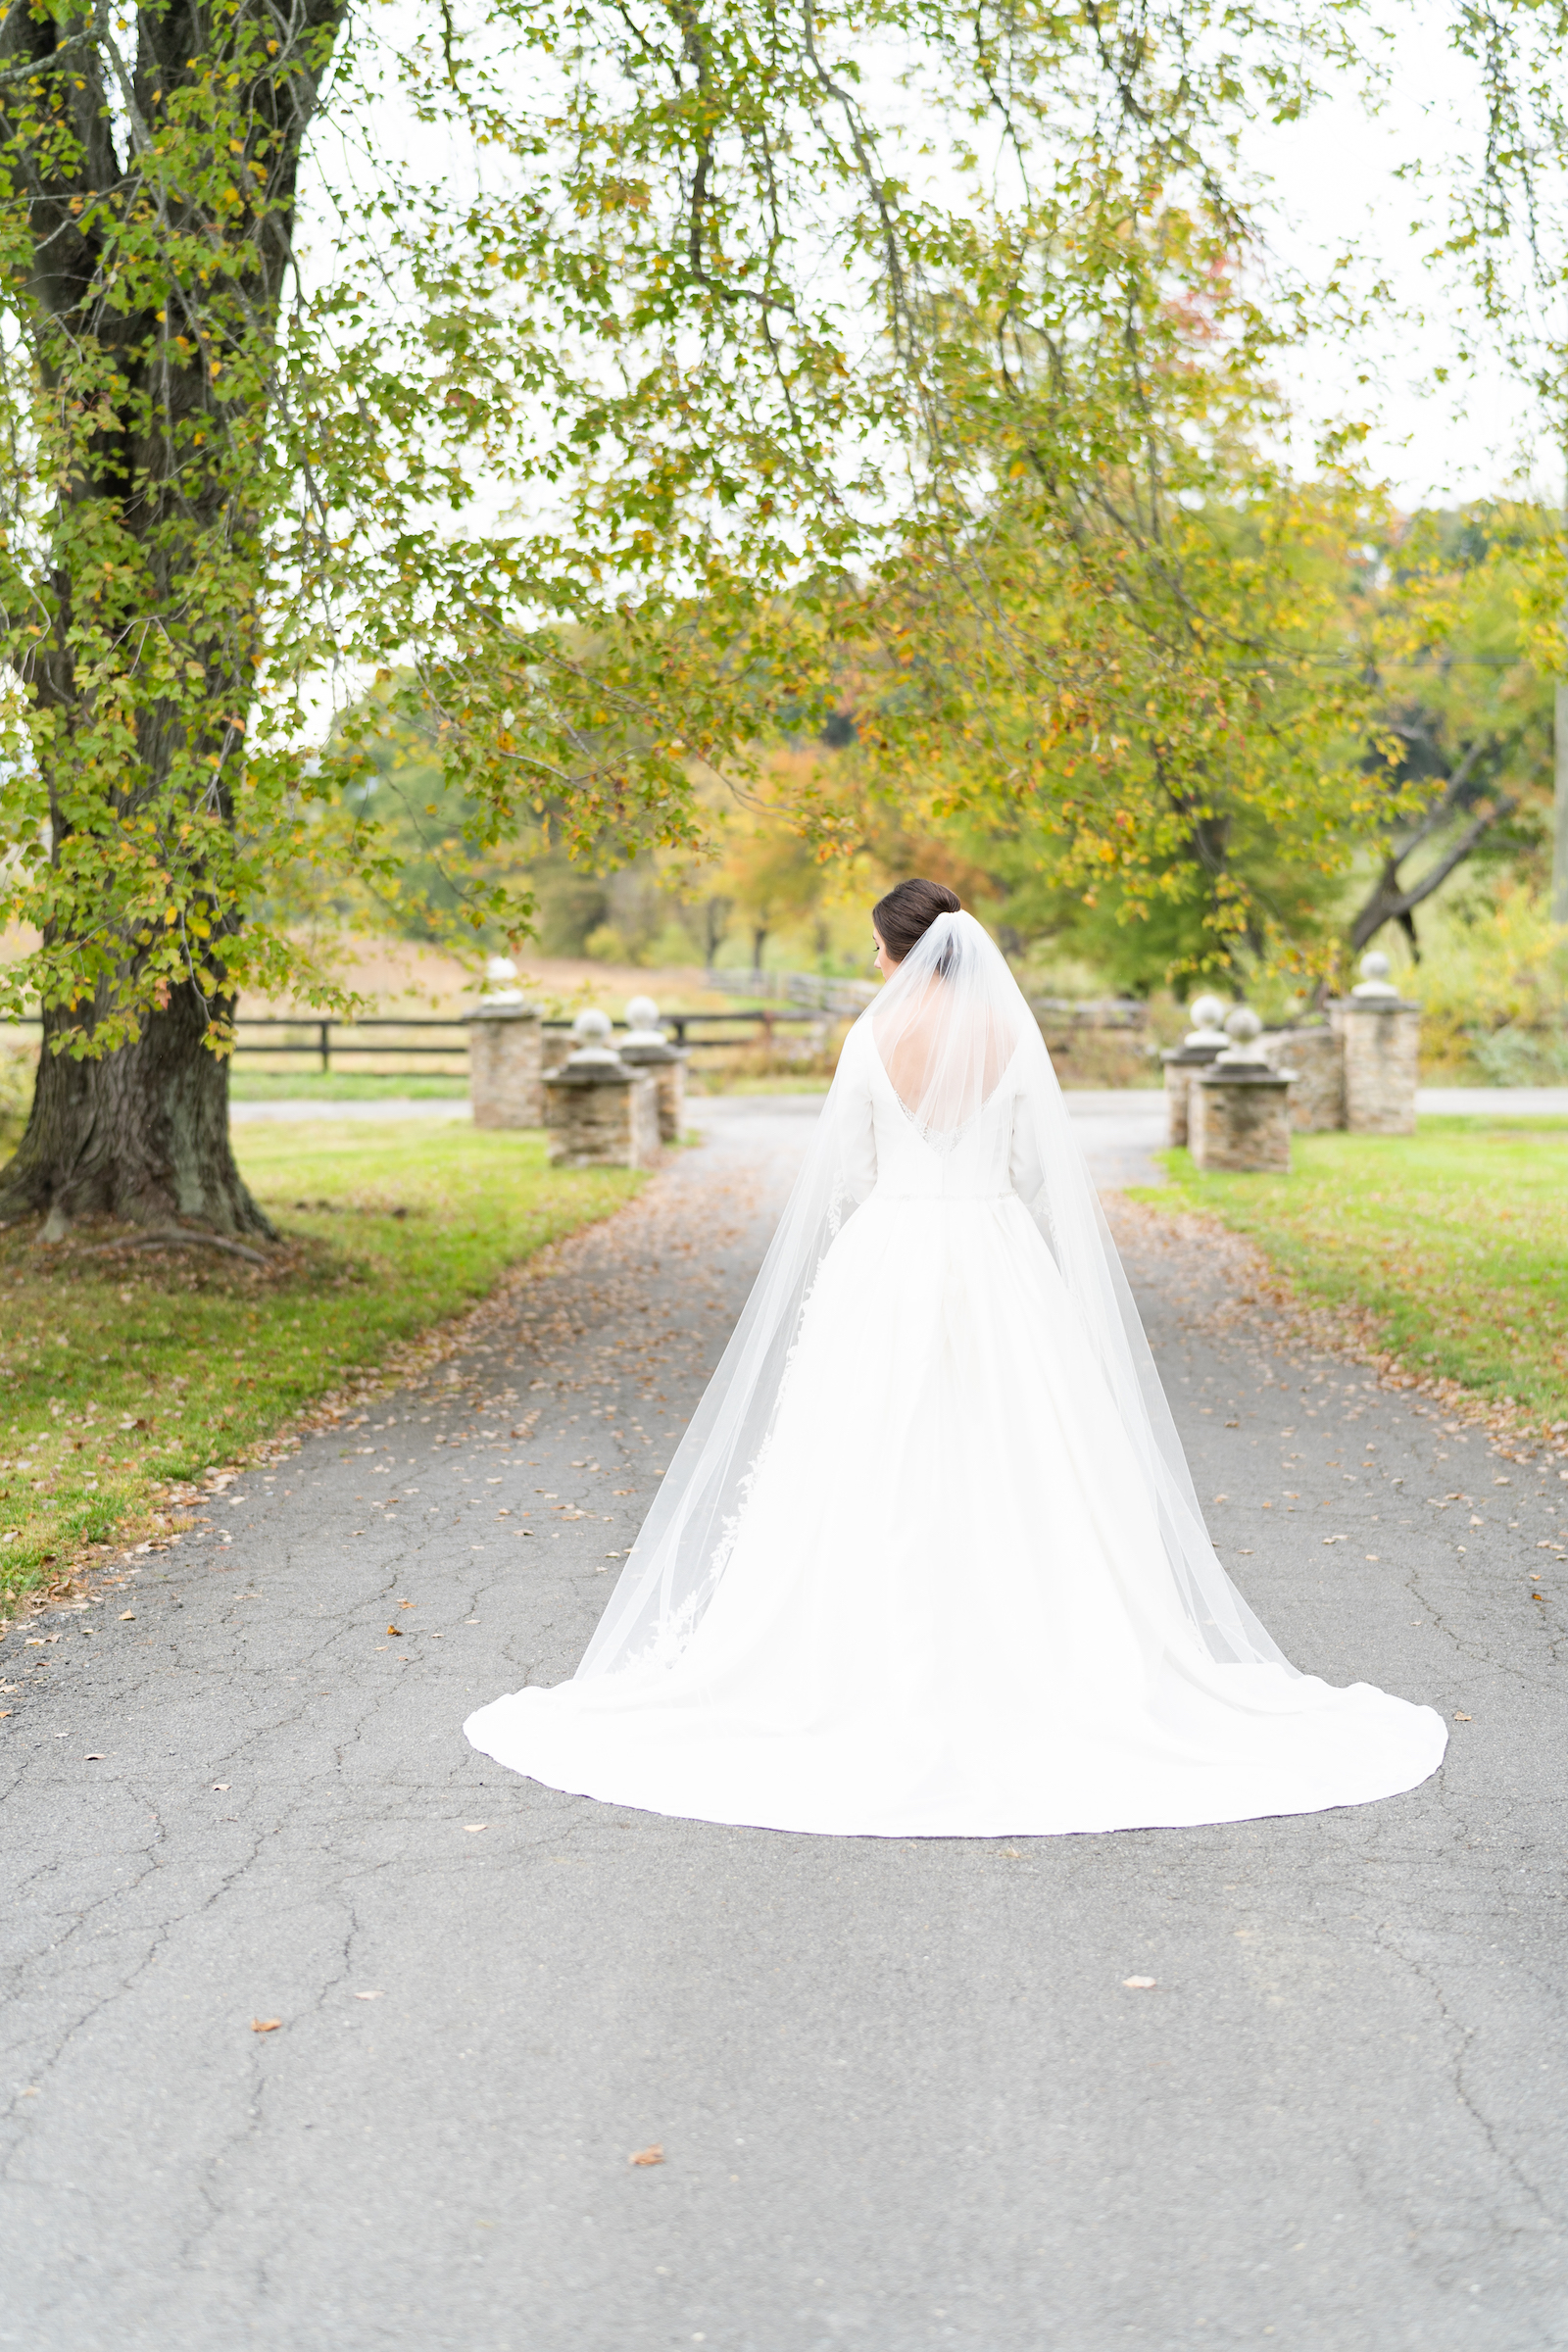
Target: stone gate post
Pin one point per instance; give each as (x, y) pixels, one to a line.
(1240, 1117)
(504, 1052)
(646, 1048)
(1380, 1039)
(600, 1114)
(1203, 1044)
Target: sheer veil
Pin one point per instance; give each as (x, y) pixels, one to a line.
(949, 1029)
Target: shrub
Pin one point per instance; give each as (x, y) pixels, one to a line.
(1493, 985)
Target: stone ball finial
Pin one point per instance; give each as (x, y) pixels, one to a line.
(590, 1042)
(1374, 980)
(1207, 1013)
(642, 1013)
(1244, 1029)
(501, 981)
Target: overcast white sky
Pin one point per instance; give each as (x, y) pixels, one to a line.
(1336, 178)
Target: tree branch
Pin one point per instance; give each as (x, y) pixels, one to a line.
(1391, 902)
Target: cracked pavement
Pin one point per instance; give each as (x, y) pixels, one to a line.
(902, 2095)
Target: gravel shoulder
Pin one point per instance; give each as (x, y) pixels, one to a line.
(903, 2097)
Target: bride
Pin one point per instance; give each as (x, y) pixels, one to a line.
(928, 1561)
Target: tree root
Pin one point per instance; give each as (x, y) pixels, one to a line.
(176, 1237)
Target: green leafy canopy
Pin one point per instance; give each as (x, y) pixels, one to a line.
(601, 383)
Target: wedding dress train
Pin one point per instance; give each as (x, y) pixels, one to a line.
(929, 1562)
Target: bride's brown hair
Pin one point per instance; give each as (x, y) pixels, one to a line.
(905, 916)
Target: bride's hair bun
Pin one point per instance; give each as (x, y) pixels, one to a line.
(905, 916)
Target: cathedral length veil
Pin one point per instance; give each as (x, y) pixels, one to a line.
(947, 1027)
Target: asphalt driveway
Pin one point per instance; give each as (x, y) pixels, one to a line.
(902, 2095)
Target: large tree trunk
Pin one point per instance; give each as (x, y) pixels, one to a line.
(140, 1134)
(156, 545)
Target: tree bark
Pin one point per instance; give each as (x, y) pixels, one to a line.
(140, 1134)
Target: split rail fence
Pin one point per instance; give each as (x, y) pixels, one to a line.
(349, 1046)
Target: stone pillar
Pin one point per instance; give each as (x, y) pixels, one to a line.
(1315, 1055)
(1197, 1051)
(1240, 1110)
(1201, 1043)
(600, 1114)
(1380, 1040)
(590, 1029)
(503, 1058)
(647, 1048)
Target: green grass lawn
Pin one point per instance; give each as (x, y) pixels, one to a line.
(119, 1372)
(1455, 1239)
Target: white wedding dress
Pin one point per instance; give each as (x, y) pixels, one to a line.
(927, 1565)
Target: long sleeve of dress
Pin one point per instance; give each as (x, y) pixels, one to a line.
(857, 1123)
(1027, 1175)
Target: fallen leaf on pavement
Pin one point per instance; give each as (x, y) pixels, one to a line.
(474, 1827)
(370, 1997)
(266, 2025)
(653, 2155)
(396, 1629)
(1464, 1718)
(97, 1757)
(127, 1616)
(220, 1788)
(1140, 1983)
